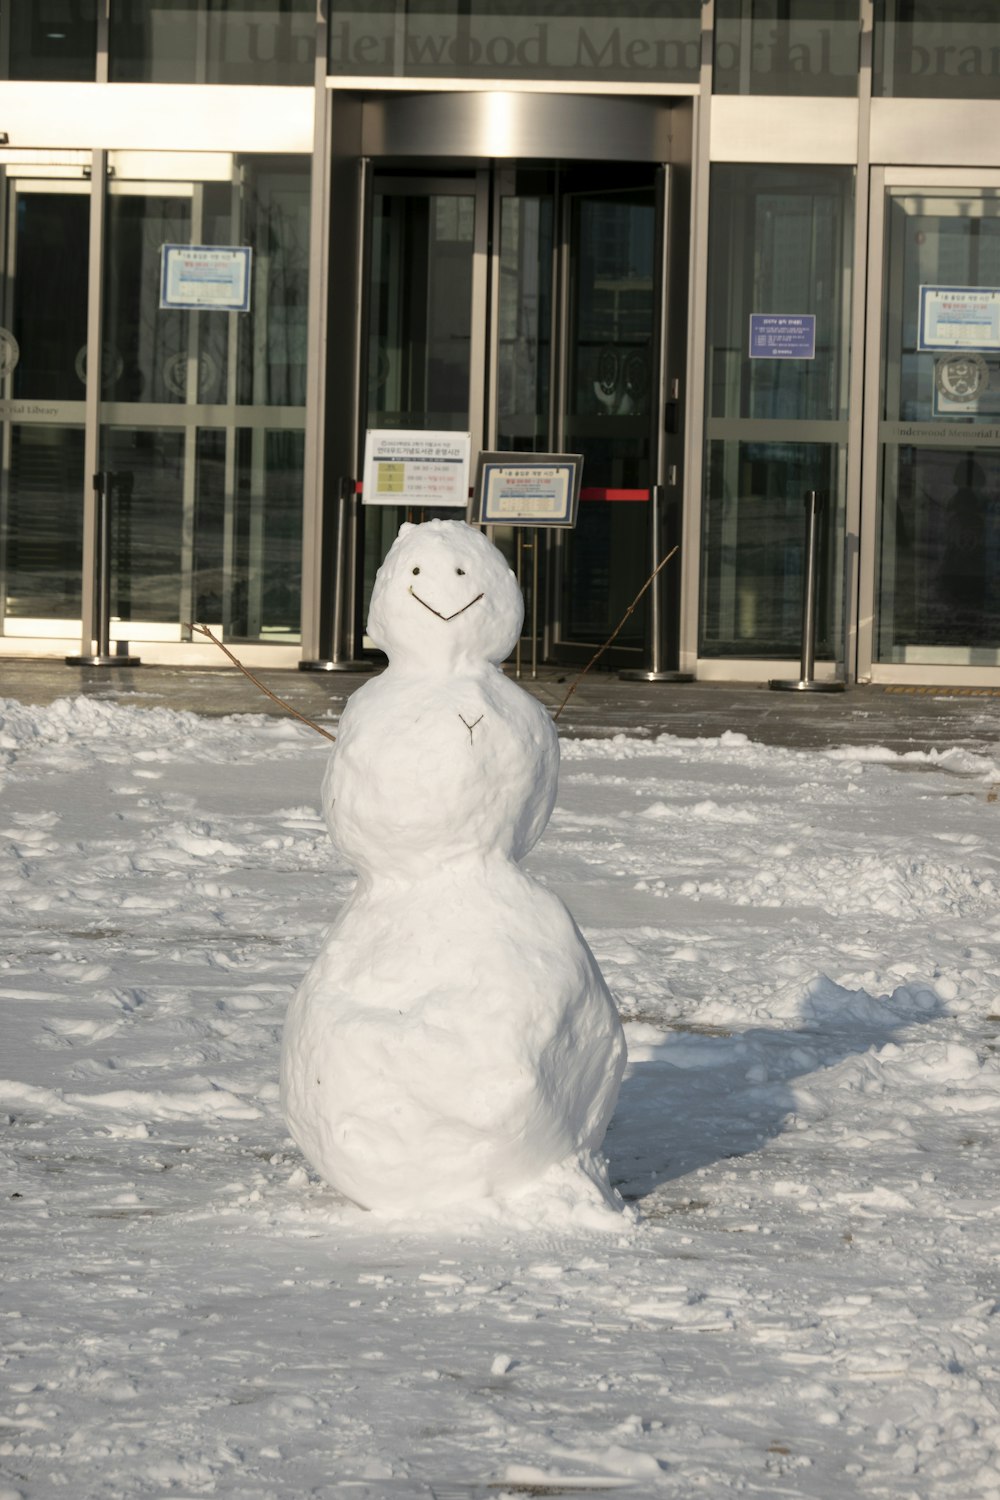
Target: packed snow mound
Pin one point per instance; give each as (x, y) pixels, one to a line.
(454, 1039)
(808, 1303)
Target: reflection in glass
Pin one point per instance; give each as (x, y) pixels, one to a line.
(53, 40)
(201, 41)
(171, 539)
(49, 292)
(145, 354)
(43, 525)
(421, 309)
(939, 574)
(274, 222)
(936, 49)
(524, 318)
(266, 583)
(605, 568)
(146, 467)
(611, 336)
(42, 517)
(608, 405)
(210, 580)
(753, 553)
(772, 47)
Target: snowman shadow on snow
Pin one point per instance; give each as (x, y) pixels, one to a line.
(454, 1039)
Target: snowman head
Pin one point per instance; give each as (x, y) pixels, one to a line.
(444, 598)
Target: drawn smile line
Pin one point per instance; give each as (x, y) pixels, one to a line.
(438, 612)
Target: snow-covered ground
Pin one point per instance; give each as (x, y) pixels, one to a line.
(805, 950)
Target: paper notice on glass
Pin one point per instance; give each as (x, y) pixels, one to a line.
(213, 277)
(959, 317)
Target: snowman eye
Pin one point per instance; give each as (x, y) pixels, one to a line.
(416, 570)
(460, 572)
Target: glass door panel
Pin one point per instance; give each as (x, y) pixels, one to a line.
(524, 323)
(421, 309)
(938, 555)
(608, 407)
(43, 363)
(202, 434)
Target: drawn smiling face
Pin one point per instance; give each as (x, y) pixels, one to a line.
(445, 596)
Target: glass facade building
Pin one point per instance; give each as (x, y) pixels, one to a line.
(731, 252)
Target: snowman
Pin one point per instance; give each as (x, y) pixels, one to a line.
(454, 1039)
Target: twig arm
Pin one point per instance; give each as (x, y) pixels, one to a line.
(204, 630)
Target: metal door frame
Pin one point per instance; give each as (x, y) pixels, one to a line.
(868, 669)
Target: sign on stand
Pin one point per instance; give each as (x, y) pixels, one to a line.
(527, 489)
(429, 469)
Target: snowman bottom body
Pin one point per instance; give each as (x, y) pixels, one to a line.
(452, 1041)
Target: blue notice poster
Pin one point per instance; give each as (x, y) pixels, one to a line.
(782, 335)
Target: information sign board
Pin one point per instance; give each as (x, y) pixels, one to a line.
(211, 277)
(527, 489)
(404, 467)
(959, 317)
(782, 335)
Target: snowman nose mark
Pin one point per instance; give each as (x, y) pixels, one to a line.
(470, 727)
(438, 612)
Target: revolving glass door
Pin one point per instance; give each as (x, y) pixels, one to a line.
(523, 305)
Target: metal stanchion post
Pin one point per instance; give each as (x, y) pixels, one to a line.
(534, 603)
(341, 658)
(519, 571)
(807, 682)
(657, 671)
(103, 656)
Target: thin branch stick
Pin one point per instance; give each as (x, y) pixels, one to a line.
(204, 630)
(601, 649)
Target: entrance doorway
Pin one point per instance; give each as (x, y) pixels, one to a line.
(191, 419)
(932, 449)
(523, 302)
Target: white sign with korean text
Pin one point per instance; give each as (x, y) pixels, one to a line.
(429, 469)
